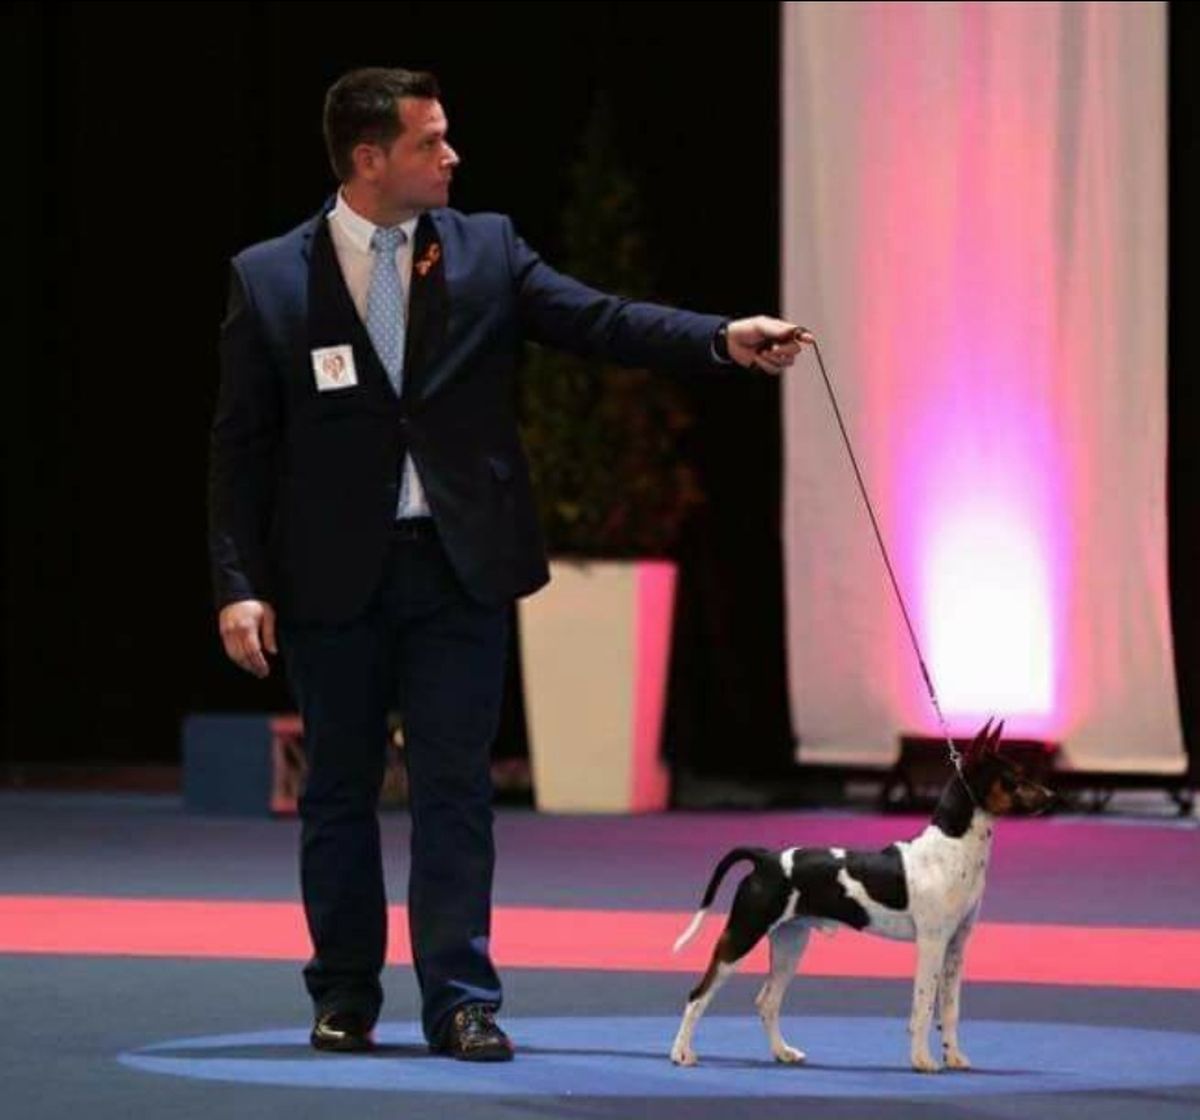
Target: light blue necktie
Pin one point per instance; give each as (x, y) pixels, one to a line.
(385, 303)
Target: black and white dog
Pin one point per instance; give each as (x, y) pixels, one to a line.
(925, 890)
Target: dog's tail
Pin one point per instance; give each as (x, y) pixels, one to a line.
(727, 861)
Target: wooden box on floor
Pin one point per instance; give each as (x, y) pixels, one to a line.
(242, 764)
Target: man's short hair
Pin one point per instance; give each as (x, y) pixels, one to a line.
(360, 108)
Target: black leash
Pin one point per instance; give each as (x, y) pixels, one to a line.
(955, 754)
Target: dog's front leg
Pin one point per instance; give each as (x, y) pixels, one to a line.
(931, 952)
(948, 996)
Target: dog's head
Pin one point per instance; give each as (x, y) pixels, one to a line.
(997, 782)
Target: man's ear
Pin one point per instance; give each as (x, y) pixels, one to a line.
(367, 159)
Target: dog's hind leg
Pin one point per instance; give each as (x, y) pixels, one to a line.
(720, 968)
(948, 997)
(788, 942)
(756, 906)
(931, 952)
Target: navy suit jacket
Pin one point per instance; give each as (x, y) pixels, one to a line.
(303, 483)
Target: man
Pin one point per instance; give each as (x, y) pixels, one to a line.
(371, 515)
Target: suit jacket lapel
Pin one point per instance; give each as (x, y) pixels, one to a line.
(428, 307)
(332, 317)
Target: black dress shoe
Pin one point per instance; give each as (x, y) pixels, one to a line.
(346, 1032)
(473, 1036)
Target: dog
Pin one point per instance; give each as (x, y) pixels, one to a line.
(925, 890)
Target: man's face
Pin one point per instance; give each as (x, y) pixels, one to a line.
(414, 173)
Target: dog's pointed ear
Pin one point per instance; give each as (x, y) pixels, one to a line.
(980, 742)
(994, 741)
(978, 745)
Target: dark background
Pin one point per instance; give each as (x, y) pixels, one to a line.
(149, 142)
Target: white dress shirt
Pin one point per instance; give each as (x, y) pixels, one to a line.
(351, 234)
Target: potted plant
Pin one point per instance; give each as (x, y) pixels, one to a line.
(613, 493)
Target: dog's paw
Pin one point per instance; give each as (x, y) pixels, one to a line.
(956, 1059)
(682, 1057)
(789, 1055)
(923, 1063)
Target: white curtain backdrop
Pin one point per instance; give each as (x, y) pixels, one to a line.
(975, 229)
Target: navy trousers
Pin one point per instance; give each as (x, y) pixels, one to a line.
(425, 648)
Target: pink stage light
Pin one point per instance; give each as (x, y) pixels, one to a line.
(989, 621)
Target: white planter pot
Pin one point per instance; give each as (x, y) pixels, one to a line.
(595, 647)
